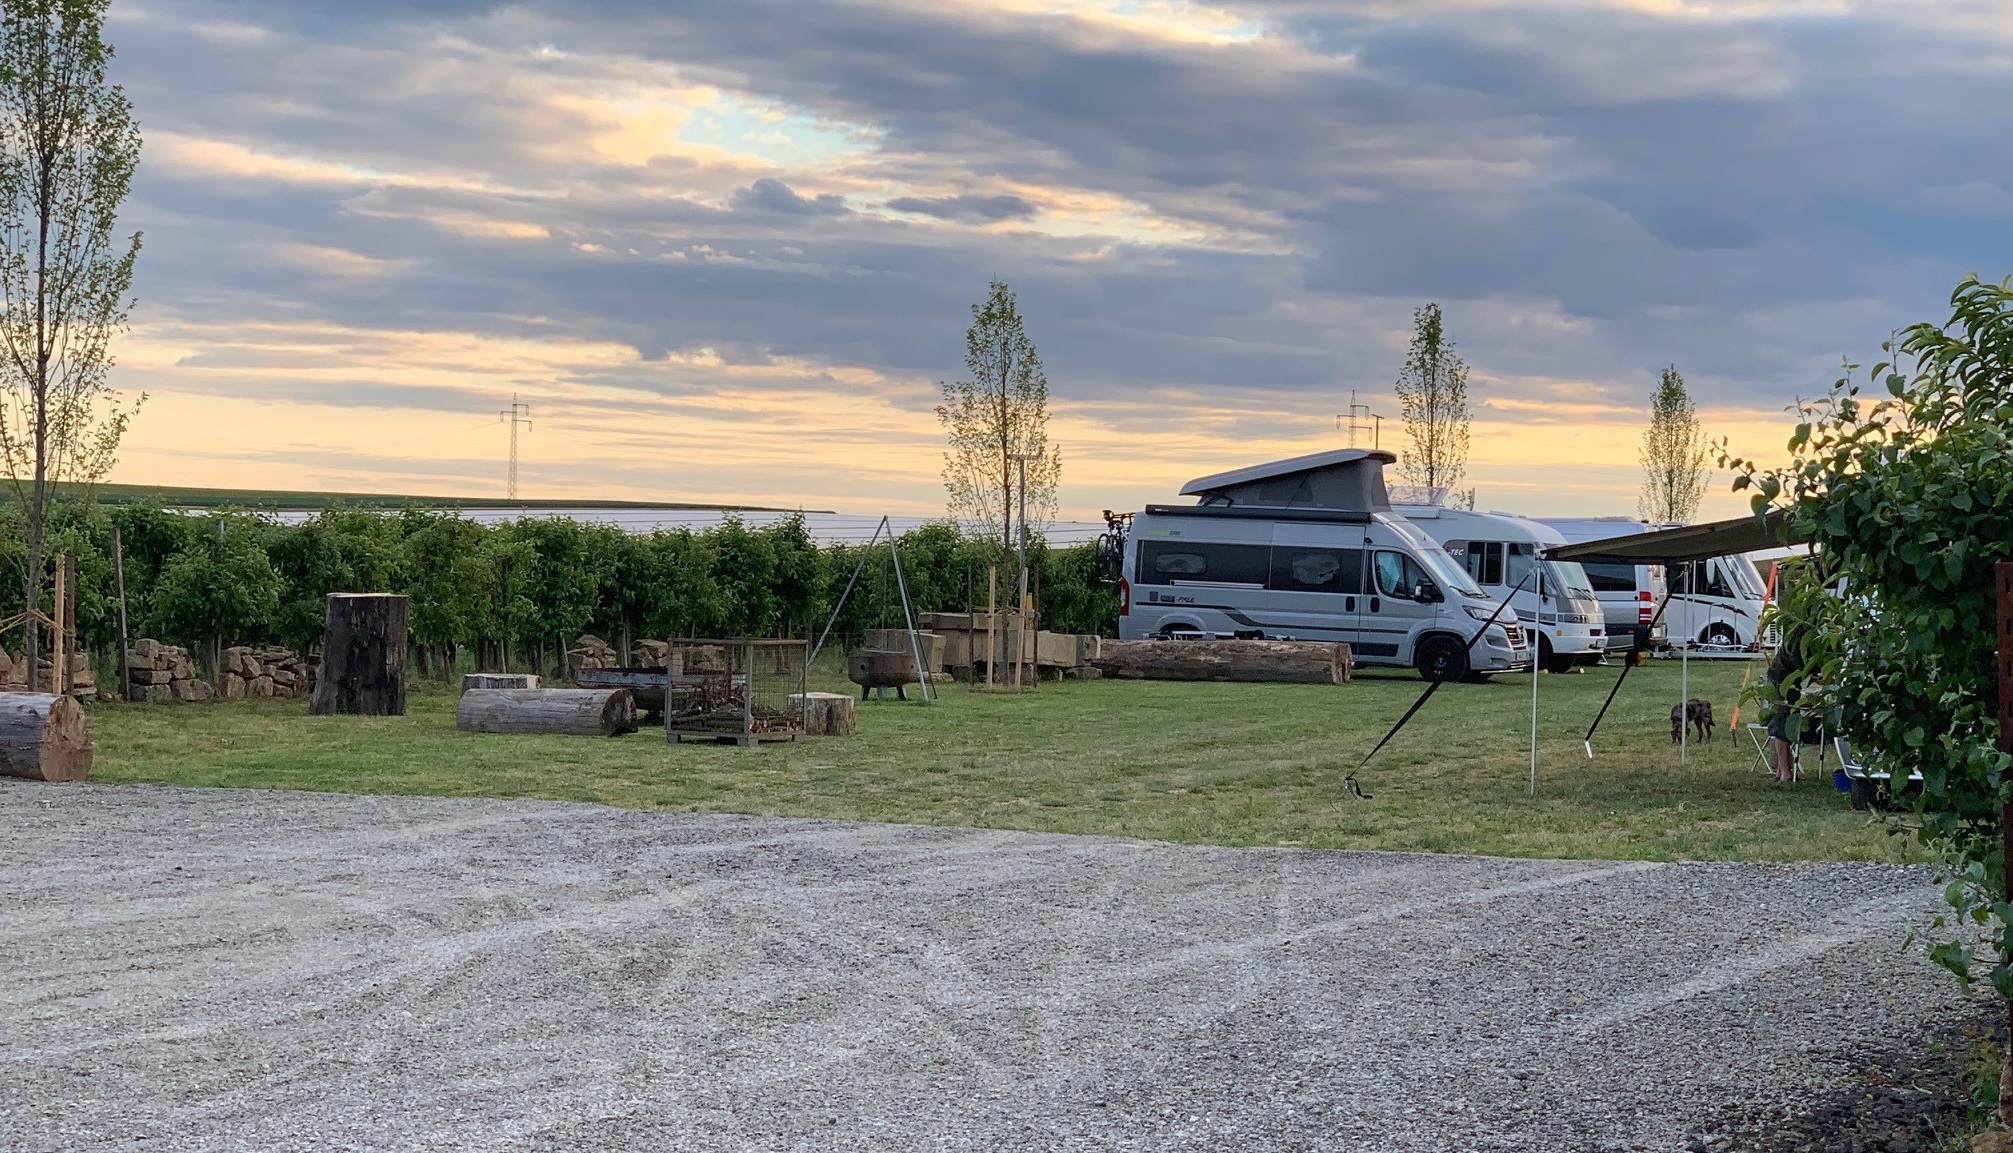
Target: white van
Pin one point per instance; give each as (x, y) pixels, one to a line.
(1717, 603)
(1629, 593)
(1308, 549)
(1500, 551)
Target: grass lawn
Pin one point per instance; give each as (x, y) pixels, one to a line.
(1221, 764)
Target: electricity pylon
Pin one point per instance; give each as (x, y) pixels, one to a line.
(518, 413)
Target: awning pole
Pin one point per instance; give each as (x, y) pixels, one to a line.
(1535, 670)
(1684, 699)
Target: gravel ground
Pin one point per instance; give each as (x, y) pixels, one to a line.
(198, 969)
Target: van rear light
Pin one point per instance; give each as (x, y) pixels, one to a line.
(1644, 613)
(1124, 596)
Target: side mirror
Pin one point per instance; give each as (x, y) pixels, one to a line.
(1427, 592)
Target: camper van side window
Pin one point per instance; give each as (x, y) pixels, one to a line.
(1168, 562)
(1310, 570)
(1485, 561)
(1398, 575)
(1611, 578)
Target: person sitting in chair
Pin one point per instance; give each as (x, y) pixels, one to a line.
(1785, 671)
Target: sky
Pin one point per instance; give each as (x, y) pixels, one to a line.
(726, 250)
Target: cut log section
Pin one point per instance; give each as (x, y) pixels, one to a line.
(571, 712)
(1291, 662)
(498, 681)
(363, 656)
(43, 738)
(825, 714)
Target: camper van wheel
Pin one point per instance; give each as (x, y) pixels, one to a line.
(1442, 658)
(1722, 635)
(1550, 661)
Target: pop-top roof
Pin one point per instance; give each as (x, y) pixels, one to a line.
(1349, 479)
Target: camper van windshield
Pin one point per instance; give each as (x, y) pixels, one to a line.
(1568, 575)
(1448, 572)
(1746, 578)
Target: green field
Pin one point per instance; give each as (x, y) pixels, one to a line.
(1221, 764)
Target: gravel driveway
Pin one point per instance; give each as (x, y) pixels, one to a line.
(212, 969)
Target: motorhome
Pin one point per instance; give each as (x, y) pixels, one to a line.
(1309, 549)
(1629, 593)
(1715, 603)
(1502, 552)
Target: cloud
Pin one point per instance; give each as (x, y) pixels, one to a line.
(771, 195)
(979, 209)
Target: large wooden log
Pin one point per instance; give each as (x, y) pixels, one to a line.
(363, 656)
(1294, 662)
(43, 738)
(572, 712)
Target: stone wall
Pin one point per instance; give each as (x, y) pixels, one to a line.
(158, 673)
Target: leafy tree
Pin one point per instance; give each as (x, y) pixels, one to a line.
(1908, 498)
(221, 585)
(1433, 401)
(447, 580)
(68, 148)
(997, 415)
(337, 550)
(1674, 453)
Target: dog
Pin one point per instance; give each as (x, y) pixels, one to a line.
(1698, 713)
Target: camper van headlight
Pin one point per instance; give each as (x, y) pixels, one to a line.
(1483, 614)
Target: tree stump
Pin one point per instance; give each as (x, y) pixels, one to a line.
(42, 738)
(363, 656)
(571, 712)
(825, 714)
(1293, 662)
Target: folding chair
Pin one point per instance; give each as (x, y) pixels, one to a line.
(1763, 755)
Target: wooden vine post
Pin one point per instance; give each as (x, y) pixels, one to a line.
(363, 656)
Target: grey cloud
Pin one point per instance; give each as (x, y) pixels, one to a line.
(982, 209)
(771, 195)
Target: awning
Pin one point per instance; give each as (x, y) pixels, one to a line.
(1677, 545)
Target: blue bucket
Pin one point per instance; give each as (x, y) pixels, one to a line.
(1840, 781)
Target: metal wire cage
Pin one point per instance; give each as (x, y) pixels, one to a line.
(736, 690)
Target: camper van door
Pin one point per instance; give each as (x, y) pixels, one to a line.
(1317, 581)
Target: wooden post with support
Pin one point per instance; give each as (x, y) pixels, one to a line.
(2002, 583)
(992, 615)
(57, 655)
(123, 684)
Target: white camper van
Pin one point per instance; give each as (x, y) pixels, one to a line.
(1309, 549)
(1501, 552)
(1715, 602)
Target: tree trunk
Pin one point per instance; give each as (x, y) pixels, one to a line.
(825, 714)
(43, 738)
(573, 712)
(363, 656)
(1295, 662)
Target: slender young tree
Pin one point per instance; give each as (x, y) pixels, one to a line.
(1674, 448)
(68, 148)
(1433, 400)
(995, 417)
